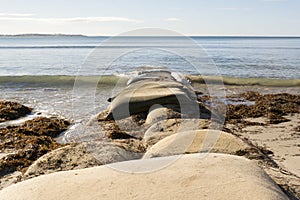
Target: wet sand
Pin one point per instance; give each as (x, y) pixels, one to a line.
(282, 139)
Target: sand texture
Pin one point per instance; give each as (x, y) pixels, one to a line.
(215, 176)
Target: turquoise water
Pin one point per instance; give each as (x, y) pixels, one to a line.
(74, 55)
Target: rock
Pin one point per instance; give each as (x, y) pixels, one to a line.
(168, 127)
(213, 141)
(215, 176)
(12, 110)
(79, 156)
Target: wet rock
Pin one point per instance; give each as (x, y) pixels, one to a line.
(12, 110)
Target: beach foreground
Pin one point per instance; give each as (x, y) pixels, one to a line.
(253, 149)
(217, 176)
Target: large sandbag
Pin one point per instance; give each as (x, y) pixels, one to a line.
(216, 176)
(197, 141)
(168, 127)
(158, 113)
(140, 96)
(153, 75)
(79, 156)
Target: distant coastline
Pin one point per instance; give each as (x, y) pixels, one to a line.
(42, 35)
(192, 36)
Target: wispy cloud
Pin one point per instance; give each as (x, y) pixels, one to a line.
(16, 14)
(173, 19)
(72, 19)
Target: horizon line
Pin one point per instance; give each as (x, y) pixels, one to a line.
(83, 35)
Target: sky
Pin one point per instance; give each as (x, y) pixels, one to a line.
(187, 17)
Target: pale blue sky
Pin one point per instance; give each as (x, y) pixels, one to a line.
(189, 17)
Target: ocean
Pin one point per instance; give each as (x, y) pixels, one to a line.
(39, 71)
(264, 57)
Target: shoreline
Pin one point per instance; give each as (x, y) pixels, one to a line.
(269, 154)
(69, 80)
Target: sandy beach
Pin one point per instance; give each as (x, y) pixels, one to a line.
(150, 100)
(265, 131)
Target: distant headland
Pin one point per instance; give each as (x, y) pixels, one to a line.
(192, 36)
(42, 35)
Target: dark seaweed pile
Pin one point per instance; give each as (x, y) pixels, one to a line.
(28, 142)
(12, 110)
(272, 106)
